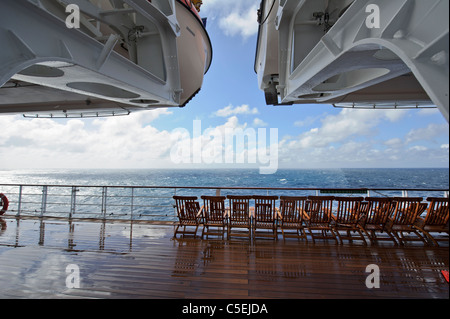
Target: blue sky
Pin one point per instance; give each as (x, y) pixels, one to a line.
(309, 136)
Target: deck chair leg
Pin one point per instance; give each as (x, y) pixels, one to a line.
(340, 241)
(335, 237)
(362, 237)
(399, 239)
(176, 231)
(312, 236)
(393, 238)
(367, 234)
(361, 231)
(304, 235)
(203, 231)
(420, 236)
(428, 235)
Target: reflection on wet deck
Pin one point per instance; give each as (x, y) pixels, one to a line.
(123, 260)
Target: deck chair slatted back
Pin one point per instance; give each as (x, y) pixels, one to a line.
(436, 220)
(239, 209)
(214, 216)
(406, 214)
(407, 209)
(292, 213)
(214, 208)
(348, 209)
(379, 209)
(438, 212)
(320, 209)
(292, 209)
(265, 208)
(188, 209)
(378, 212)
(265, 216)
(348, 218)
(239, 216)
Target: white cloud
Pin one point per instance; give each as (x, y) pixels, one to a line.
(235, 17)
(340, 127)
(427, 133)
(346, 139)
(418, 148)
(230, 110)
(394, 142)
(240, 23)
(351, 139)
(101, 143)
(259, 122)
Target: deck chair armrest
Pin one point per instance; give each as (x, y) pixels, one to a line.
(200, 212)
(389, 224)
(278, 214)
(420, 222)
(305, 215)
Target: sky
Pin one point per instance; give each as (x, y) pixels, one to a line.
(197, 136)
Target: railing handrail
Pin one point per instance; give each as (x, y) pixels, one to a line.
(104, 203)
(238, 187)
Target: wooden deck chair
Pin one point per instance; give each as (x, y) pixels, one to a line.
(348, 217)
(239, 215)
(189, 215)
(265, 216)
(378, 212)
(319, 210)
(407, 210)
(436, 219)
(292, 213)
(214, 216)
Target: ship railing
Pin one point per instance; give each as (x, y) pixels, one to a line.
(153, 203)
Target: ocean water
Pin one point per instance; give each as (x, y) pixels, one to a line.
(121, 201)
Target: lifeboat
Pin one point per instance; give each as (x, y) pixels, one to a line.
(354, 53)
(88, 58)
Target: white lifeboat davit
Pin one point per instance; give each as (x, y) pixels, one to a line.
(354, 53)
(100, 57)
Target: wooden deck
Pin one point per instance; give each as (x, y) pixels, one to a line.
(123, 260)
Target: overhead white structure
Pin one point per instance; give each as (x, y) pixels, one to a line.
(355, 53)
(100, 57)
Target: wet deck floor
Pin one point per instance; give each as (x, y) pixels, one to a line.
(123, 260)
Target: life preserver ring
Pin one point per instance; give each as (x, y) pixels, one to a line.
(4, 203)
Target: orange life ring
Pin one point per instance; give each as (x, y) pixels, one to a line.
(4, 203)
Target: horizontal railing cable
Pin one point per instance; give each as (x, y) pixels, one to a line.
(153, 203)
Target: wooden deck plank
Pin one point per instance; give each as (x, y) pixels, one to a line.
(119, 260)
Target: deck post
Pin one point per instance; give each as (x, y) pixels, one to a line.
(44, 200)
(104, 195)
(73, 199)
(19, 204)
(132, 203)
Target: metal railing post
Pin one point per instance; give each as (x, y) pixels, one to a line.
(73, 200)
(132, 203)
(19, 204)
(44, 200)
(104, 194)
